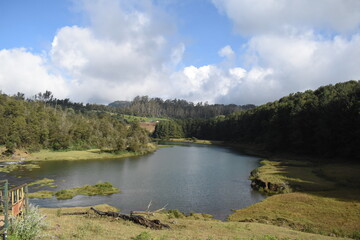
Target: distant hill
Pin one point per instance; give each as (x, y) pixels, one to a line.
(120, 104)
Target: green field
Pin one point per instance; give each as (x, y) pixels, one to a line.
(132, 118)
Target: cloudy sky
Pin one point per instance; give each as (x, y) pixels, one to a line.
(220, 51)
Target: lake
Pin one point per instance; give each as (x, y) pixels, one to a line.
(189, 177)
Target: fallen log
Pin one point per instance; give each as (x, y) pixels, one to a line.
(75, 213)
(153, 224)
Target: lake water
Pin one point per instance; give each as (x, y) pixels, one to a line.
(189, 177)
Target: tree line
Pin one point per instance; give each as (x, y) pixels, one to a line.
(144, 106)
(175, 108)
(39, 123)
(324, 122)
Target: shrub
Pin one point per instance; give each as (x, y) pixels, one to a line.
(174, 213)
(142, 236)
(29, 226)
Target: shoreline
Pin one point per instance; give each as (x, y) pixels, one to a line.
(73, 155)
(190, 140)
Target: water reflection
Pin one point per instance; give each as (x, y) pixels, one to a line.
(188, 177)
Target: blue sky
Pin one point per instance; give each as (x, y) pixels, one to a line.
(33, 25)
(220, 51)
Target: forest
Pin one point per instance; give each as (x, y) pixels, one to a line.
(324, 122)
(146, 107)
(176, 108)
(35, 124)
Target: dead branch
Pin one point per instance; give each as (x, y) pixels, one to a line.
(147, 212)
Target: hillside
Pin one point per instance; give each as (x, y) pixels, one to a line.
(34, 124)
(322, 123)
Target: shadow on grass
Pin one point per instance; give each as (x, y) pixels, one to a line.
(339, 181)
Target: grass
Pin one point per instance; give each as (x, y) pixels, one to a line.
(297, 175)
(105, 188)
(326, 198)
(78, 155)
(194, 140)
(41, 194)
(100, 188)
(131, 118)
(7, 168)
(47, 155)
(92, 226)
(45, 182)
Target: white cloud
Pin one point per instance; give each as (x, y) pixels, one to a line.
(278, 16)
(293, 45)
(123, 53)
(177, 54)
(226, 52)
(22, 71)
(276, 66)
(206, 84)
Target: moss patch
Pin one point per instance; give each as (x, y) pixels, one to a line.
(7, 168)
(105, 188)
(45, 182)
(100, 188)
(41, 194)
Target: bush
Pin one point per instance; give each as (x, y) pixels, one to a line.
(27, 227)
(174, 213)
(142, 236)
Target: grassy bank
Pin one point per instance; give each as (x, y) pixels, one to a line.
(48, 155)
(193, 227)
(321, 199)
(194, 140)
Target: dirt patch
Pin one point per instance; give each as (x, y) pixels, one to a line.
(149, 126)
(18, 155)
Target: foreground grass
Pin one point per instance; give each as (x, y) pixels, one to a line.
(325, 198)
(105, 188)
(193, 227)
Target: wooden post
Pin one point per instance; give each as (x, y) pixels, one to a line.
(6, 206)
(26, 199)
